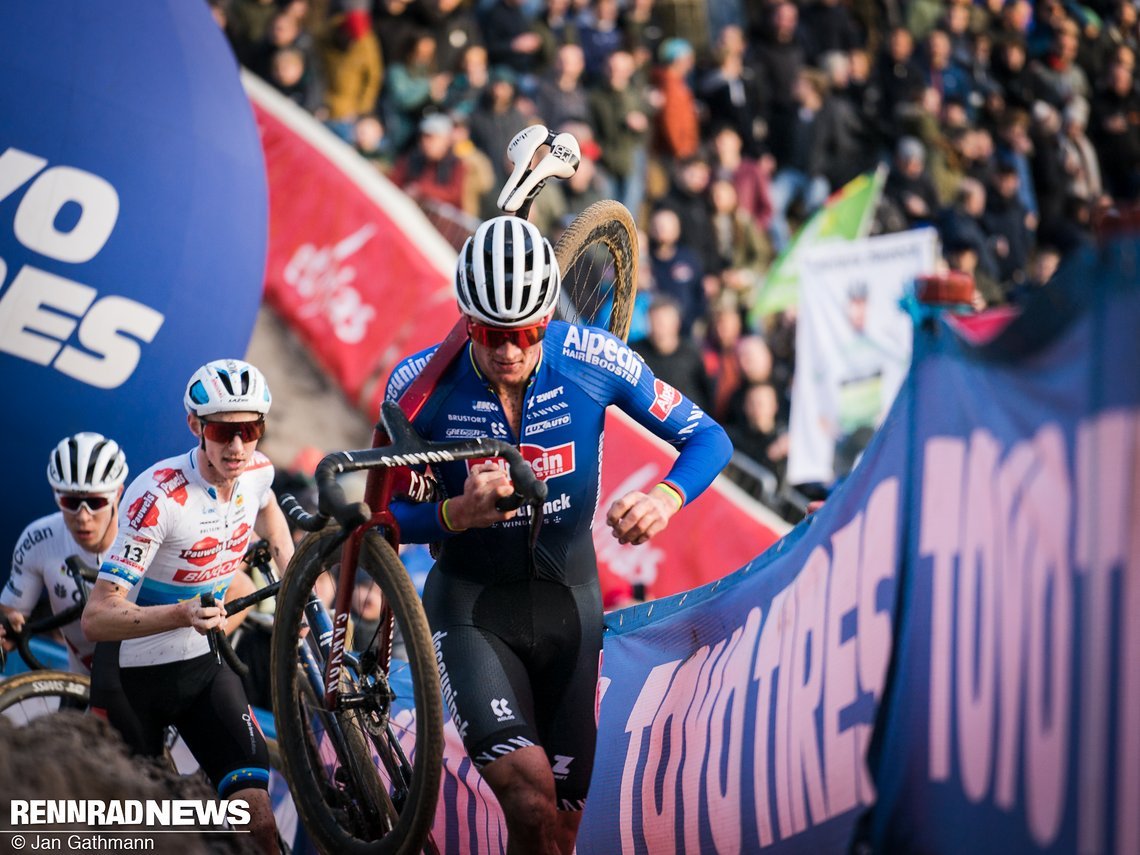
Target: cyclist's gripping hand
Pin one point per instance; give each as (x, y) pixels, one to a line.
(637, 516)
(486, 483)
(202, 618)
(15, 620)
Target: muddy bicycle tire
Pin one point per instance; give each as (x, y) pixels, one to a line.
(602, 237)
(339, 764)
(46, 686)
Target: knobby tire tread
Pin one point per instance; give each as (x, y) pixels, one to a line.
(610, 224)
(380, 561)
(34, 684)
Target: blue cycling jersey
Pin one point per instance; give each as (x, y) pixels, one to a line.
(582, 370)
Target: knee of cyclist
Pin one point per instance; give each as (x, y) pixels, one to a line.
(529, 805)
(261, 823)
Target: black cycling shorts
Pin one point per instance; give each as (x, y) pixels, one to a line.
(205, 701)
(518, 662)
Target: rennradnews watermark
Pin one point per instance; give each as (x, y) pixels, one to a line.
(193, 814)
(70, 825)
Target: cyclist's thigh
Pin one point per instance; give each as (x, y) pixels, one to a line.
(487, 691)
(567, 693)
(129, 712)
(223, 734)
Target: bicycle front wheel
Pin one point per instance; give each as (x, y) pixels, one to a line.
(365, 776)
(598, 256)
(36, 693)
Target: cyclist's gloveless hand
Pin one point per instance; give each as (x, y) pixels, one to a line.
(203, 618)
(17, 622)
(486, 483)
(637, 516)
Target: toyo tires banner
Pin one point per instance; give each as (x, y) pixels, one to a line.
(132, 227)
(945, 658)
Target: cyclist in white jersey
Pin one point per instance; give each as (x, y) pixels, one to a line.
(184, 527)
(86, 472)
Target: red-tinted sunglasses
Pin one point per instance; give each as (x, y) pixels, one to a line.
(496, 337)
(73, 504)
(224, 432)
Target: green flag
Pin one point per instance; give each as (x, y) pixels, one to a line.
(846, 216)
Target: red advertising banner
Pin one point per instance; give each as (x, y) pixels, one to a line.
(353, 266)
(721, 531)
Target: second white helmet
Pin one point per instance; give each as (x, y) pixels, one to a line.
(507, 275)
(87, 462)
(227, 386)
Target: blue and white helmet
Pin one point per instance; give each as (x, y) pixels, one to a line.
(87, 462)
(227, 386)
(507, 275)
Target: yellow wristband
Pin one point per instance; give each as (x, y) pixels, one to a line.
(673, 494)
(446, 522)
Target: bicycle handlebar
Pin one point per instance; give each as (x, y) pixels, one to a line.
(79, 572)
(407, 449)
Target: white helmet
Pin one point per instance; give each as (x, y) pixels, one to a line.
(227, 386)
(87, 463)
(507, 275)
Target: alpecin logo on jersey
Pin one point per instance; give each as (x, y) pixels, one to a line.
(603, 350)
(545, 462)
(172, 482)
(667, 399)
(143, 512)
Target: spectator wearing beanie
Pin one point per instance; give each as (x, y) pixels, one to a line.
(677, 125)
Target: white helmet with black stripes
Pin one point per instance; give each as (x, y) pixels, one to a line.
(87, 462)
(507, 275)
(227, 386)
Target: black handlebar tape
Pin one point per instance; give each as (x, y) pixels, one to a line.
(332, 502)
(527, 486)
(219, 644)
(301, 518)
(207, 600)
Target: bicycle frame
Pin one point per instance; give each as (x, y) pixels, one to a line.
(378, 491)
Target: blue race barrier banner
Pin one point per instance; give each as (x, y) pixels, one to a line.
(737, 716)
(1012, 723)
(132, 227)
(959, 611)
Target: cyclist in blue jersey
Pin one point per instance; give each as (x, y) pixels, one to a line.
(185, 525)
(518, 632)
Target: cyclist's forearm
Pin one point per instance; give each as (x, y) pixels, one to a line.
(702, 458)
(420, 522)
(114, 618)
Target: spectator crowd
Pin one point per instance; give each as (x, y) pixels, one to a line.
(722, 124)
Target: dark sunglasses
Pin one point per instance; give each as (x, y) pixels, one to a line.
(73, 504)
(224, 432)
(496, 337)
